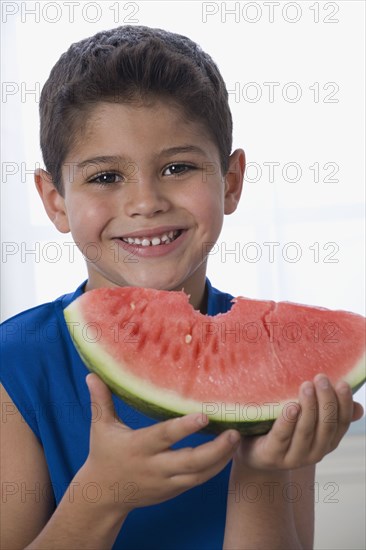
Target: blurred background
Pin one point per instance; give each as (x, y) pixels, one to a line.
(295, 72)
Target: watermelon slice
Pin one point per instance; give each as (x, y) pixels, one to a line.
(242, 368)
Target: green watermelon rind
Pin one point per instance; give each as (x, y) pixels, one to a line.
(153, 410)
(161, 403)
(158, 412)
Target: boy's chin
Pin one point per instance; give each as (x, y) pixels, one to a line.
(156, 283)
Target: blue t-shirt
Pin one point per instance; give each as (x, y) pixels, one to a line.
(45, 377)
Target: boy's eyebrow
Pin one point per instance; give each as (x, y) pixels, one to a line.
(112, 159)
(182, 149)
(116, 159)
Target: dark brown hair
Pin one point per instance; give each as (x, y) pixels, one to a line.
(125, 65)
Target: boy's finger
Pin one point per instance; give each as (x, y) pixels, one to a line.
(163, 435)
(102, 406)
(304, 433)
(327, 415)
(213, 454)
(280, 436)
(189, 479)
(358, 411)
(345, 411)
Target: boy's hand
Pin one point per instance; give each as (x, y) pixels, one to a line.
(137, 467)
(304, 433)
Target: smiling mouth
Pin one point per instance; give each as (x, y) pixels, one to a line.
(156, 240)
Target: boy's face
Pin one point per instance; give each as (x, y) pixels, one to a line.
(144, 197)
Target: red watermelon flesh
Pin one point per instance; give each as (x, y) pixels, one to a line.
(241, 367)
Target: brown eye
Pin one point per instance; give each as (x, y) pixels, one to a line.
(177, 169)
(108, 178)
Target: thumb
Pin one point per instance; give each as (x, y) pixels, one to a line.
(358, 411)
(102, 406)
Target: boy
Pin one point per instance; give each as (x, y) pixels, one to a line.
(136, 139)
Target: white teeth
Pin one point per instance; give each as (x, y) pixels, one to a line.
(154, 241)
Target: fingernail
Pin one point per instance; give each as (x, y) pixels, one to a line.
(323, 383)
(292, 412)
(343, 388)
(234, 438)
(308, 388)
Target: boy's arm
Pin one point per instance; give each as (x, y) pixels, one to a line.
(24, 510)
(26, 502)
(284, 459)
(80, 524)
(304, 512)
(270, 509)
(156, 471)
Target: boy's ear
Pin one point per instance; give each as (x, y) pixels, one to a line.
(234, 180)
(53, 202)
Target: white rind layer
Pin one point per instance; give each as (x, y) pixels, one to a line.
(112, 372)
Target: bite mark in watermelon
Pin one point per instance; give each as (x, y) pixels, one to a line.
(242, 368)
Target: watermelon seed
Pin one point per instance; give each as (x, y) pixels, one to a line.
(188, 338)
(141, 341)
(176, 354)
(132, 305)
(157, 336)
(214, 346)
(196, 349)
(164, 349)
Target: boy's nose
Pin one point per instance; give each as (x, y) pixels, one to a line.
(145, 199)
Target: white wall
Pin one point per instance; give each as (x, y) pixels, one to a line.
(340, 497)
(309, 55)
